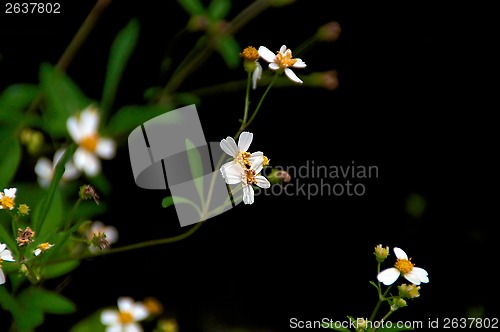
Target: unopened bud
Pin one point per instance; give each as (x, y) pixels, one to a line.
(409, 291)
(381, 253)
(329, 32)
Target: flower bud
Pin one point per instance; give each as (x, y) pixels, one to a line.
(329, 32)
(381, 253)
(409, 291)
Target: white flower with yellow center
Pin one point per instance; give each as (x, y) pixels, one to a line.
(44, 168)
(8, 198)
(43, 247)
(282, 60)
(248, 177)
(5, 255)
(405, 268)
(126, 318)
(83, 129)
(239, 152)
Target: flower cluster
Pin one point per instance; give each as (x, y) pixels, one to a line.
(404, 267)
(245, 167)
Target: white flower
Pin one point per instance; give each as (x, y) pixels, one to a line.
(403, 267)
(44, 168)
(248, 177)
(97, 229)
(5, 255)
(83, 129)
(126, 317)
(239, 152)
(42, 248)
(282, 60)
(8, 198)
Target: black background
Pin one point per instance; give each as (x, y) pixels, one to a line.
(412, 100)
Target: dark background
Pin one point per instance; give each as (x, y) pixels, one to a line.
(412, 100)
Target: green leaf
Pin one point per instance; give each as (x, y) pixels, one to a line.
(26, 318)
(51, 271)
(120, 53)
(7, 237)
(10, 157)
(91, 323)
(63, 97)
(166, 202)
(374, 284)
(45, 301)
(196, 166)
(13, 100)
(193, 7)
(169, 200)
(229, 49)
(218, 9)
(128, 118)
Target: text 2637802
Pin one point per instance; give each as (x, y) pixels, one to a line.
(32, 8)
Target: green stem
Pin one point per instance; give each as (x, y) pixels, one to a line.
(70, 216)
(244, 125)
(247, 98)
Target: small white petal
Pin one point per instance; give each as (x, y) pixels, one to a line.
(133, 327)
(125, 303)
(266, 54)
(89, 121)
(228, 145)
(43, 168)
(299, 63)
(388, 276)
(400, 254)
(244, 141)
(256, 75)
(283, 49)
(262, 182)
(139, 312)
(274, 66)
(110, 317)
(6, 255)
(257, 164)
(106, 148)
(232, 174)
(291, 75)
(73, 129)
(111, 234)
(2, 277)
(11, 192)
(2, 247)
(254, 156)
(115, 328)
(248, 194)
(417, 275)
(37, 251)
(71, 172)
(87, 162)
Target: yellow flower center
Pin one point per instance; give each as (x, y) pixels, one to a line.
(125, 317)
(242, 158)
(44, 246)
(266, 161)
(284, 60)
(89, 143)
(249, 177)
(7, 202)
(250, 53)
(404, 265)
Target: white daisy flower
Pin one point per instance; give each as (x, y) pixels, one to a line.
(282, 60)
(239, 152)
(8, 198)
(97, 229)
(248, 177)
(83, 129)
(44, 168)
(42, 248)
(403, 267)
(5, 255)
(126, 318)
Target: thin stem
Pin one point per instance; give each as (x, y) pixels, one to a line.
(247, 98)
(244, 125)
(72, 212)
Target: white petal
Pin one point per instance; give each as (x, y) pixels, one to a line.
(299, 63)
(111, 234)
(283, 49)
(2, 277)
(73, 129)
(6, 255)
(388, 276)
(228, 145)
(417, 275)
(89, 121)
(11, 192)
(37, 251)
(110, 317)
(256, 75)
(115, 328)
(106, 148)
(139, 312)
(257, 164)
(248, 194)
(254, 156)
(2, 247)
(232, 174)
(291, 75)
(245, 140)
(262, 182)
(71, 172)
(400, 254)
(274, 66)
(133, 327)
(125, 303)
(266, 54)
(87, 162)
(43, 168)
